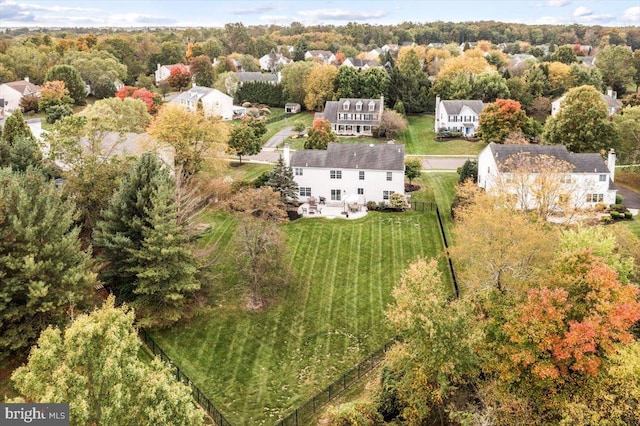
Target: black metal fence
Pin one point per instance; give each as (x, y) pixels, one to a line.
(422, 206)
(199, 397)
(446, 250)
(303, 414)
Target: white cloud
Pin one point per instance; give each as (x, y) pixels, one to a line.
(632, 15)
(254, 10)
(277, 19)
(558, 3)
(341, 14)
(582, 11)
(550, 20)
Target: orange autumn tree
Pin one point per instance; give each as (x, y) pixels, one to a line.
(565, 329)
(151, 100)
(501, 118)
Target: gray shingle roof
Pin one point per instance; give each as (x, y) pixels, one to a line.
(455, 107)
(582, 163)
(352, 156)
(332, 108)
(247, 76)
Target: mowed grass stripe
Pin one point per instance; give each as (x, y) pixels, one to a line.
(257, 366)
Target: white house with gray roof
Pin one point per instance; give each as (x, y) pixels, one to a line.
(12, 92)
(458, 116)
(583, 180)
(371, 171)
(353, 116)
(214, 102)
(610, 100)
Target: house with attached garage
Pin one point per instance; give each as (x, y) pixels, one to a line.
(371, 172)
(461, 116)
(353, 116)
(13, 91)
(532, 174)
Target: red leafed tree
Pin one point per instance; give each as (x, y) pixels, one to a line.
(179, 77)
(569, 326)
(501, 118)
(320, 135)
(152, 100)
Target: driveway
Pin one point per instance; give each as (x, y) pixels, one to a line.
(631, 198)
(279, 137)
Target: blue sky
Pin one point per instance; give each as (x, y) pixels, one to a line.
(128, 13)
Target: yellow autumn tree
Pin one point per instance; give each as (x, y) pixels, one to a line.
(471, 62)
(319, 86)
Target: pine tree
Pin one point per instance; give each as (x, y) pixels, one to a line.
(15, 127)
(281, 180)
(43, 269)
(164, 267)
(122, 230)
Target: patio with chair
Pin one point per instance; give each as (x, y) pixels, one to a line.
(330, 211)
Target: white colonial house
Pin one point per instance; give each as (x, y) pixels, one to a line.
(13, 91)
(164, 71)
(370, 172)
(214, 102)
(458, 116)
(564, 179)
(273, 61)
(321, 56)
(353, 116)
(610, 100)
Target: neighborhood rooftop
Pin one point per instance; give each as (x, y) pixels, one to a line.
(246, 76)
(352, 156)
(582, 163)
(455, 107)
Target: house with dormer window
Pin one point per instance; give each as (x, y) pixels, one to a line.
(353, 116)
(214, 102)
(461, 116)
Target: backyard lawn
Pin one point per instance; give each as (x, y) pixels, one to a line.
(257, 366)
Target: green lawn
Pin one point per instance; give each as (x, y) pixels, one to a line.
(246, 171)
(419, 139)
(273, 128)
(256, 367)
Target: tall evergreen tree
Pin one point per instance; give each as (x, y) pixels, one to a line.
(122, 230)
(164, 266)
(44, 272)
(281, 180)
(16, 126)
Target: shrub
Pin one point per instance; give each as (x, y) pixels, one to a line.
(600, 207)
(56, 112)
(468, 171)
(355, 413)
(29, 103)
(618, 208)
(628, 215)
(619, 199)
(398, 202)
(615, 215)
(372, 205)
(382, 205)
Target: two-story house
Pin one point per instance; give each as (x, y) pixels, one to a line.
(13, 91)
(371, 171)
(458, 116)
(321, 56)
(164, 71)
(273, 61)
(610, 100)
(353, 116)
(563, 178)
(214, 102)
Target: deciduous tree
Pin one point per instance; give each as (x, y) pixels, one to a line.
(94, 366)
(179, 77)
(319, 135)
(320, 86)
(582, 124)
(243, 139)
(72, 81)
(627, 126)
(348, 83)
(412, 169)
(201, 69)
(293, 78)
(500, 118)
(616, 64)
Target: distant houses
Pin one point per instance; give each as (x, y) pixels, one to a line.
(610, 100)
(12, 92)
(164, 71)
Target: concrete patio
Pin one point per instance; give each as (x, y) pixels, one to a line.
(330, 211)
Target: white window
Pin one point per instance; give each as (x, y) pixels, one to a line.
(336, 194)
(360, 191)
(372, 106)
(386, 194)
(305, 191)
(389, 176)
(359, 106)
(345, 106)
(603, 178)
(361, 175)
(298, 171)
(595, 198)
(335, 174)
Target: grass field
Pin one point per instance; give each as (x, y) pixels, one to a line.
(419, 139)
(257, 366)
